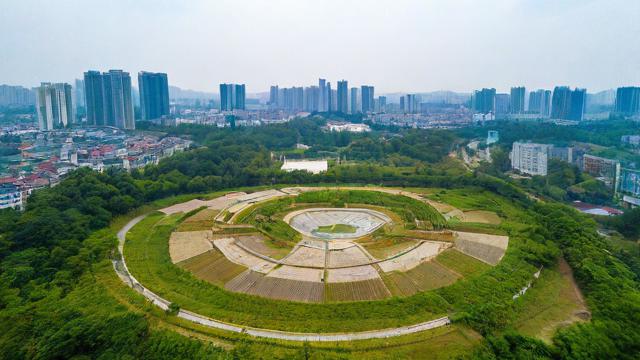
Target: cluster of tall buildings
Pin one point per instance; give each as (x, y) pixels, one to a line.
(232, 97)
(563, 103)
(105, 98)
(108, 98)
(54, 105)
(410, 103)
(540, 102)
(16, 96)
(323, 98)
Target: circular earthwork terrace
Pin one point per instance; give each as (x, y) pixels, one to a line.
(305, 245)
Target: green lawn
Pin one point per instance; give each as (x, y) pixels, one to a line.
(337, 229)
(549, 304)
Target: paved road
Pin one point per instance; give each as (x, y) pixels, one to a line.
(121, 269)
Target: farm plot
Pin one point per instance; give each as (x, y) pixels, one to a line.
(297, 273)
(260, 245)
(183, 245)
(254, 283)
(241, 257)
(409, 260)
(183, 207)
(464, 265)
(373, 289)
(357, 273)
(426, 276)
(306, 256)
(387, 247)
(481, 216)
(484, 247)
(222, 202)
(213, 267)
(202, 220)
(351, 256)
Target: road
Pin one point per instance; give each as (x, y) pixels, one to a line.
(121, 269)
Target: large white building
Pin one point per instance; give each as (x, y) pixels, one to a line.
(530, 158)
(312, 166)
(339, 127)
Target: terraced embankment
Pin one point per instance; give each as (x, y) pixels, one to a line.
(124, 274)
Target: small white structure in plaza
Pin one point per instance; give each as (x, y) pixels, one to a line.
(312, 166)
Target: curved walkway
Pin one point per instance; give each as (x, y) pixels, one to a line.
(121, 269)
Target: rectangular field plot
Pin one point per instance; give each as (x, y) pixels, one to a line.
(239, 256)
(202, 220)
(356, 273)
(357, 291)
(384, 248)
(183, 245)
(213, 267)
(254, 283)
(426, 276)
(411, 259)
(351, 256)
(485, 247)
(464, 265)
(297, 273)
(260, 244)
(306, 256)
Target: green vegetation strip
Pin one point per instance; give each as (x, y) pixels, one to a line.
(337, 229)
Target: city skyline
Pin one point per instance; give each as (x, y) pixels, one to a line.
(503, 51)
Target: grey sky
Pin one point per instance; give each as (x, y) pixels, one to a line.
(398, 45)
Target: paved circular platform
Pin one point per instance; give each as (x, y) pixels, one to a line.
(314, 222)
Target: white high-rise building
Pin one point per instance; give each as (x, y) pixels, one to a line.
(530, 158)
(54, 105)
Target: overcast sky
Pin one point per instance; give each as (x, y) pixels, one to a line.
(396, 45)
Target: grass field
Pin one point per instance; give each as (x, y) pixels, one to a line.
(337, 229)
(552, 302)
(460, 263)
(212, 266)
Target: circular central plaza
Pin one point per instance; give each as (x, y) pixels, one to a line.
(334, 224)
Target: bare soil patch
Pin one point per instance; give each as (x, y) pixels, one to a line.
(183, 245)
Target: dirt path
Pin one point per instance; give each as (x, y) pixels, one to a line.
(566, 270)
(123, 273)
